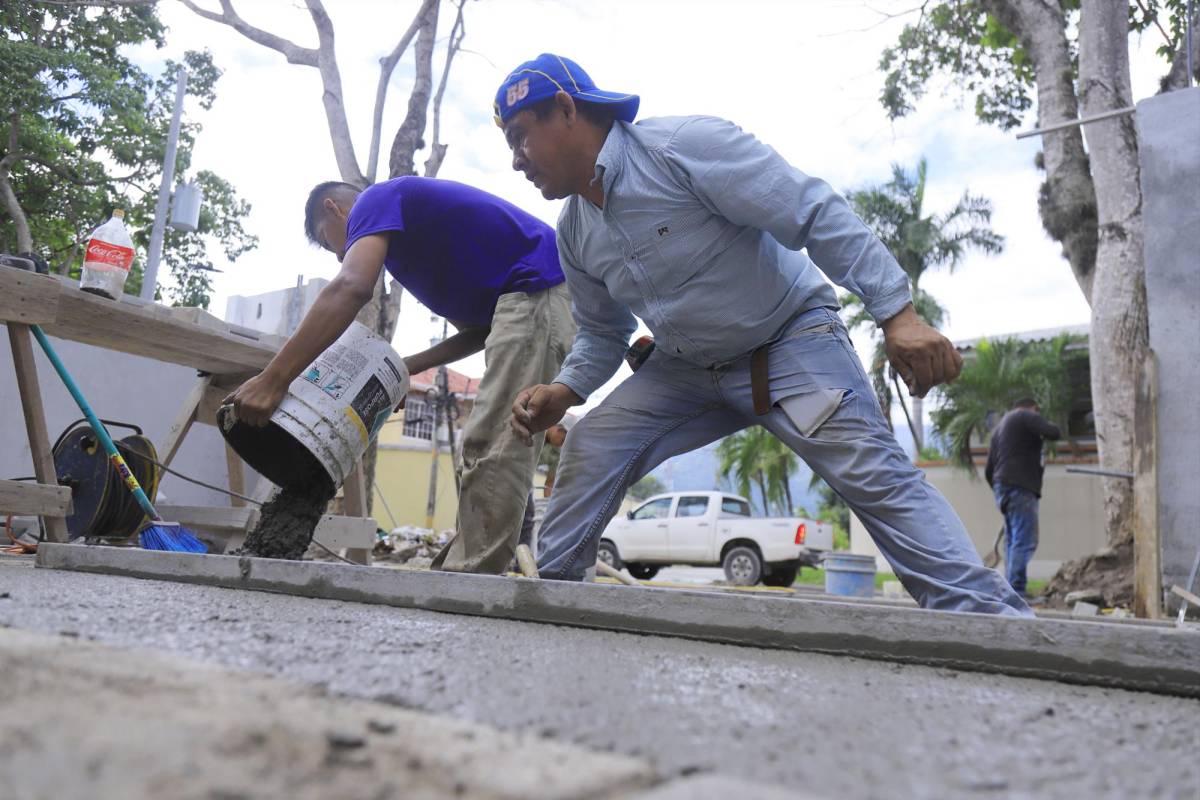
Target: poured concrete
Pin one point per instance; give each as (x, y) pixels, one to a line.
(835, 726)
(1148, 658)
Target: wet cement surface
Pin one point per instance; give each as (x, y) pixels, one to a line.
(839, 727)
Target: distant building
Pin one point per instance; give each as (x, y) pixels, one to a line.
(277, 312)
(406, 450)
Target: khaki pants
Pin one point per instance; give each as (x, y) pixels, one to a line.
(531, 335)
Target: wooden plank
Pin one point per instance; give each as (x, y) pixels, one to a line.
(237, 476)
(148, 330)
(1147, 547)
(183, 421)
(28, 298)
(348, 533)
(21, 341)
(354, 503)
(22, 497)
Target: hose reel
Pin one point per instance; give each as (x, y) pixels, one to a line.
(102, 507)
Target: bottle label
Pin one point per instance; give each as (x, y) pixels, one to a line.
(112, 255)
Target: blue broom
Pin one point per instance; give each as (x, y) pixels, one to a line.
(157, 535)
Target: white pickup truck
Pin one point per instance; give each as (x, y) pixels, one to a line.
(709, 529)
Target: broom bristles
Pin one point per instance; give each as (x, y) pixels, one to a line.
(170, 536)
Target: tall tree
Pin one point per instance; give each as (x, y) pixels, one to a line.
(997, 374)
(920, 241)
(1074, 56)
(755, 456)
(381, 314)
(84, 130)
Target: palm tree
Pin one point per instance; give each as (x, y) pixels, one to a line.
(1000, 372)
(895, 212)
(756, 455)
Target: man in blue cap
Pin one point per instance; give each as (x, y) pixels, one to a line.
(698, 228)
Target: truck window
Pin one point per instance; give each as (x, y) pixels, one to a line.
(655, 509)
(738, 508)
(692, 507)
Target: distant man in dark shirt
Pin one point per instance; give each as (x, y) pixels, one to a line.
(1014, 471)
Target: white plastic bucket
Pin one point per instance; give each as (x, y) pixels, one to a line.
(334, 409)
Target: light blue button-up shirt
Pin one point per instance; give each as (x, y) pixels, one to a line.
(701, 236)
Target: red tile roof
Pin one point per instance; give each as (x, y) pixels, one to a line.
(458, 382)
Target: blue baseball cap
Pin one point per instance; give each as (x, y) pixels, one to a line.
(548, 74)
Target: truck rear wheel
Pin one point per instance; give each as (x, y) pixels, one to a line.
(743, 566)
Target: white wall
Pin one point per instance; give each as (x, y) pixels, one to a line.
(123, 388)
(1071, 517)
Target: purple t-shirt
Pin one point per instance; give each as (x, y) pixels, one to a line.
(454, 247)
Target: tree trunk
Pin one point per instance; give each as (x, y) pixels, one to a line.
(1119, 338)
(1067, 201)
(410, 138)
(762, 489)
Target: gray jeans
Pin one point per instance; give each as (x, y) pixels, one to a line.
(823, 409)
(531, 335)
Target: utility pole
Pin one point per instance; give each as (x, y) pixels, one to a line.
(440, 402)
(150, 278)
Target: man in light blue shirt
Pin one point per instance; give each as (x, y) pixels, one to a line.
(699, 229)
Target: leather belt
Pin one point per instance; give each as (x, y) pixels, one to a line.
(760, 380)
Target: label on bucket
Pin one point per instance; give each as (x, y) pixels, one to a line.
(373, 405)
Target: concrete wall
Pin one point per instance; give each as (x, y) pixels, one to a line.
(276, 312)
(1169, 145)
(119, 387)
(1071, 517)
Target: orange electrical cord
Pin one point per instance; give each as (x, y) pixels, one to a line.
(16, 548)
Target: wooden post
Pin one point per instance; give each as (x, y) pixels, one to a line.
(237, 477)
(183, 421)
(1147, 552)
(35, 420)
(354, 504)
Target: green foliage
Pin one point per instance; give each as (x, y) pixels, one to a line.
(1000, 372)
(84, 130)
(929, 453)
(960, 39)
(756, 456)
(646, 487)
(833, 510)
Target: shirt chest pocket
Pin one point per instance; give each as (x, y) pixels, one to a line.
(678, 242)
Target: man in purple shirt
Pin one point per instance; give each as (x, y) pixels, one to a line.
(489, 268)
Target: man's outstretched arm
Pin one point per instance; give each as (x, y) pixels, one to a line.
(467, 342)
(331, 314)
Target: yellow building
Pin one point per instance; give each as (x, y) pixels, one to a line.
(402, 467)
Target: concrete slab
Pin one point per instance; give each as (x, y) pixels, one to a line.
(843, 727)
(87, 720)
(1152, 659)
(717, 787)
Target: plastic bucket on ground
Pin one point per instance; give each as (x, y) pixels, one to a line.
(330, 414)
(849, 575)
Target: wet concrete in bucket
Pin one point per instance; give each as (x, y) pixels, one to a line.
(286, 523)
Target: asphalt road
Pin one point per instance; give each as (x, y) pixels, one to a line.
(835, 726)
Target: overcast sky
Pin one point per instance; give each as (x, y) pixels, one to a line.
(802, 75)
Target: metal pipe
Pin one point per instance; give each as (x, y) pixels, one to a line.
(150, 278)
(1107, 473)
(1058, 126)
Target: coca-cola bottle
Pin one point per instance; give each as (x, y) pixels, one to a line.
(108, 257)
